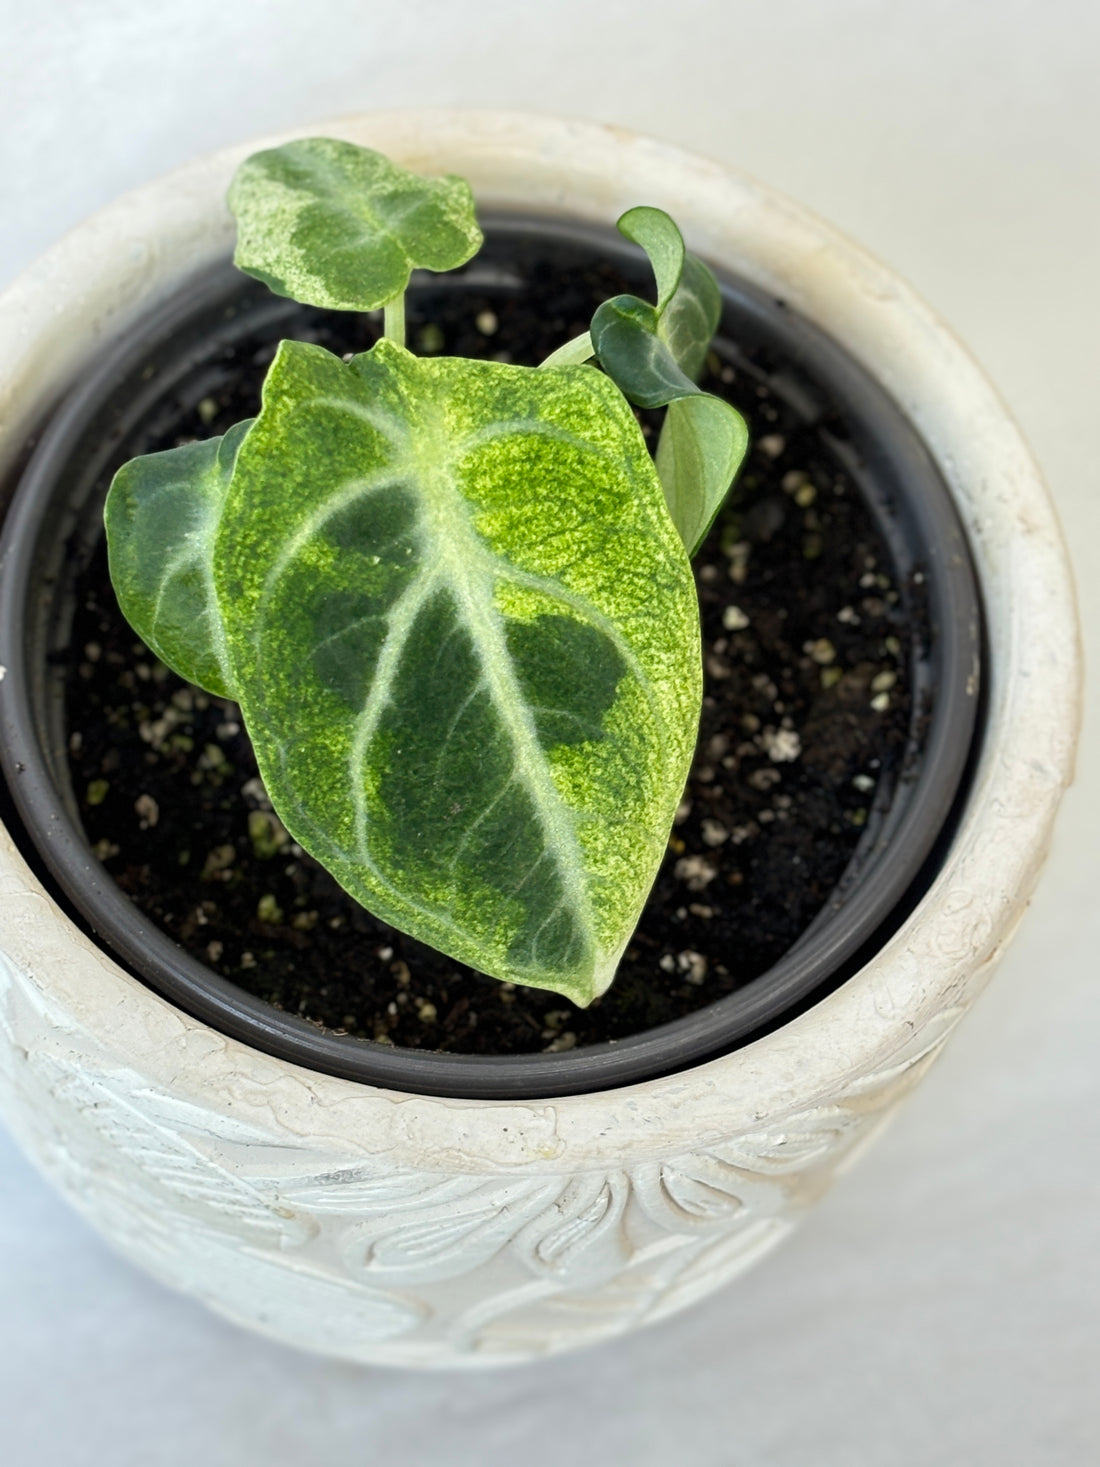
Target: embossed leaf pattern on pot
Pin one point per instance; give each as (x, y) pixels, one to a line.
(655, 1281)
(696, 1191)
(581, 1235)
(808, 1137)
(456, 1224)
(214, 1199)
(322, 1309)
(360, 1256)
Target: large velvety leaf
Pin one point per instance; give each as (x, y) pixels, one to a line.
(162, 516)
(332, 224)
(465, 639)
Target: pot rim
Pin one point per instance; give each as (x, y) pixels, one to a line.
(132, 254)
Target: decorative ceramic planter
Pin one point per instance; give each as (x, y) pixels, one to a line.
(381, 1226)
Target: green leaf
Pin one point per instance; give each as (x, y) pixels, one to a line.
(571, 353)
(691, 317)
(162, 516)
(332, 224)
(662, 241)
(624, 334)
(704, 438)
(703, 441)
(689, 302)
(465, 639)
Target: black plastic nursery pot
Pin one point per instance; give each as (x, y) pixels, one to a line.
(918, 591)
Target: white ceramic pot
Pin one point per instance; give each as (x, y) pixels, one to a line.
(385, 1227)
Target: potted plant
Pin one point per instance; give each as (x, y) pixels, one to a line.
(394, 1219)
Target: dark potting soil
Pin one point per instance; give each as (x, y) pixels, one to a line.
(806, 706)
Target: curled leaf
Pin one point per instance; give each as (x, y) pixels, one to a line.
(703, 439)
(332, 224)
(631, 352)
(689, 303)
(662, 241)
(162, 515)
(691, 317)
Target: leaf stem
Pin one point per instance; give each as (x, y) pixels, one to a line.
(578, 350)
(393, 320)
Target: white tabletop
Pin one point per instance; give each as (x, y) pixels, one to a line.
(943, 1305)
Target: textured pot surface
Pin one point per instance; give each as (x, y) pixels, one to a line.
(386, 1227)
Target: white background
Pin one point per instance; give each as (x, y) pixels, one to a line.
(943, 1305)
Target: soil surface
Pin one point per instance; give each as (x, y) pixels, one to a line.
(806, 707)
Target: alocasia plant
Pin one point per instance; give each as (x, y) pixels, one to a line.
(452, 598)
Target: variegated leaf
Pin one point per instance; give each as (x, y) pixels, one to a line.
(332, 224)
(162, 515)
(465, 639)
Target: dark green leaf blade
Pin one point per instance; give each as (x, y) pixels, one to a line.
(691, 317)
(332, 224)
(162, 516)
(625, 337)
(662, 241)
(702, 443)
(461, 698)
(703, 439)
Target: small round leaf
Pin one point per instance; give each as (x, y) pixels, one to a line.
(332, 224)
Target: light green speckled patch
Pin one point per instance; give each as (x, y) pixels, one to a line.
(464, 635)
(332, 224)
